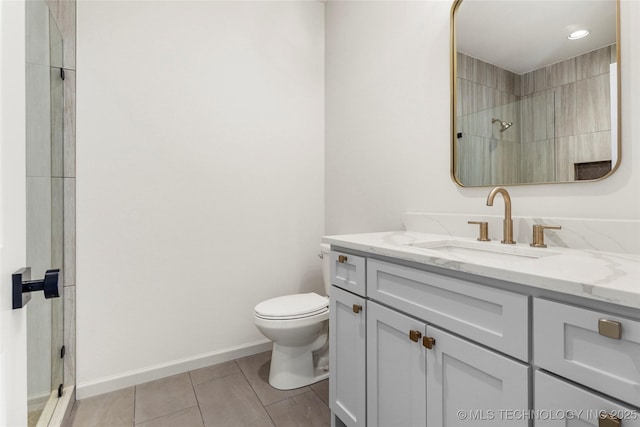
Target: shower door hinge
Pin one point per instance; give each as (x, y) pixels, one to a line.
(60, 391)
(62, 73)
(63, 351)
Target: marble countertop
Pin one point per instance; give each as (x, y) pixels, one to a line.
(603, 276)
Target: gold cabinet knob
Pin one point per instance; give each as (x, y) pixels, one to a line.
(538, 234)
(608, 420)
(342, 259)
(428, 342)
(415, 335)
(484, 230)
(610, 328)
(356, 308)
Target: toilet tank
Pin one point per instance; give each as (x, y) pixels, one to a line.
(326, 266)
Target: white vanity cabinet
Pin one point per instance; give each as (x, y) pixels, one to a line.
(347, 375)
(422, 364)
(460, 339)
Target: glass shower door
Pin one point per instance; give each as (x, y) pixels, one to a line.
(44, 190)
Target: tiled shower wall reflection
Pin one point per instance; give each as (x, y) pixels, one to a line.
(560, 115)
(486, 92)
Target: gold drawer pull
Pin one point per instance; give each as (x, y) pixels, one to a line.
(415, 335)
(342, 259)
(428, 342)
(357, 308)
(610, 328)
(608, 420)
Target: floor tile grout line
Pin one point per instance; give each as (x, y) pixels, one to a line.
(197, 400)
(188, 373)
(135, 394)
(319, 397)
(275, 401)
(255, 393)
(216, 378)
(250, 385)
(245, 372)
(327, 401)
(166, 415)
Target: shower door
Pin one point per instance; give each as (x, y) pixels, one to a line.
(44, 194)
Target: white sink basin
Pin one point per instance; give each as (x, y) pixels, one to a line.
(484, 250)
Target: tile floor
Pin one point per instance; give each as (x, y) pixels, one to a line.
(235, 393)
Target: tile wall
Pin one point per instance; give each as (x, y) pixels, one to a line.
(486, 92)
(582, 109)
(50, 185)
(560, 114)
(64, 14)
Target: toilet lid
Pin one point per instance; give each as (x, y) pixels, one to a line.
(291, 306)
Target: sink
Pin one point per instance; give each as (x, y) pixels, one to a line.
(483, 250)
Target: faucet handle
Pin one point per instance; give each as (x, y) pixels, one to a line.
(484, 230)
(538, 234)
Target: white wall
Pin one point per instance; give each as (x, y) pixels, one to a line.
(13, 326)
(200, 129)
(387, 124)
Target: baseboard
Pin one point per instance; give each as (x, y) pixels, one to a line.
(140, 376)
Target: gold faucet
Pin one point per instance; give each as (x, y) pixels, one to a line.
(507, 227)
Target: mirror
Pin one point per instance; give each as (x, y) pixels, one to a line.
(529, 105)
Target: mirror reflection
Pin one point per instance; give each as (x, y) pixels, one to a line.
(531, 105)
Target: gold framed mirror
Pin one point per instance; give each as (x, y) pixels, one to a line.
(529, 103)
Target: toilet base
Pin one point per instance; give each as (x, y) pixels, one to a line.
(295, 367)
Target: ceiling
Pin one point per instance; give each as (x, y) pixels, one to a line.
(524, 35)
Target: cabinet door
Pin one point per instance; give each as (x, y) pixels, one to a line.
(469, 385)
(559, 403)
(396, 372)
(347, 373)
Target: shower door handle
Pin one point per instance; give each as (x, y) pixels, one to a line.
(23, 286)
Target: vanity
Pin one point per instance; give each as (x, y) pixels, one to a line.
(435, 330)
(444, 329)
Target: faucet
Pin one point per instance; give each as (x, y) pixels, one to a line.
(507, 227)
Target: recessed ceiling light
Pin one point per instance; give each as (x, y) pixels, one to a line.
(578, 34)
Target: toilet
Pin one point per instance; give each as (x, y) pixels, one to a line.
(298, 325)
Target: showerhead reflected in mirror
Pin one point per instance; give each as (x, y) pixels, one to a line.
(503, 125)
(535, 91)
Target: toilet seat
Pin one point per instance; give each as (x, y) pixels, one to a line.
(290, 307)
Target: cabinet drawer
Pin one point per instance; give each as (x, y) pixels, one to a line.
(559, 403)
(496, 318)
(567, 342)
(348, 272)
